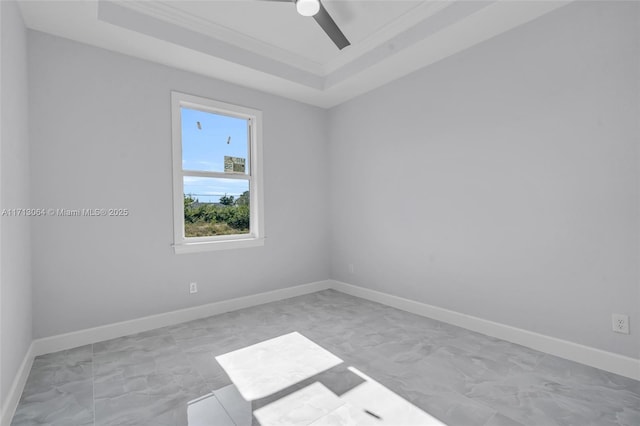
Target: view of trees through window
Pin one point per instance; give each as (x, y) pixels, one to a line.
(229, 216)
(216, 173)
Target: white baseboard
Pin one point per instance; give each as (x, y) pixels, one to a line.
(10, 403)
(604, 360)
(608, 361)
(111, 331)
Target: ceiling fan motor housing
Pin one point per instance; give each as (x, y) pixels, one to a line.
(307, 7)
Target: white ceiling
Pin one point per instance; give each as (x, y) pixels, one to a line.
(266, 45)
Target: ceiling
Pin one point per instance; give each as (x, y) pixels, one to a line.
(266, 45)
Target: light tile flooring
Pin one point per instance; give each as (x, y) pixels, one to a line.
(457, 376)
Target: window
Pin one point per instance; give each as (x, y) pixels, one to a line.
(217, 181)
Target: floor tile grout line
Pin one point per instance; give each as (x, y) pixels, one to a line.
(490, 419)
(491, 410)
(193, 366)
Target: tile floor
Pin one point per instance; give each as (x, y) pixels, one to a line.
(460, 377)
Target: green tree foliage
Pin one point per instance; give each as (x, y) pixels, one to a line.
(227, 200)
(239, 217)
(230, 216)
(243, 200)
(189, 200)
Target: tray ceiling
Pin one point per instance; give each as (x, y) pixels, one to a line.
(266, 45)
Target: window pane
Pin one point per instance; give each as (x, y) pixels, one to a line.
(213, 142)
(215, 206)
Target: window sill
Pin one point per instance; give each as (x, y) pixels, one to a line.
(217, 245)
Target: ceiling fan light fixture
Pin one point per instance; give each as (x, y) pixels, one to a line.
(308, 7)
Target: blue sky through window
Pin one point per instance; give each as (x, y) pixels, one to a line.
(206, 139)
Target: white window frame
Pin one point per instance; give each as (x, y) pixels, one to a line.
(182, 244)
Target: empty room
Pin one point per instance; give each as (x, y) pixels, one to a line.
(319, 212)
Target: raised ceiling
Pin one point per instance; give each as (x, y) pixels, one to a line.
(266, 45)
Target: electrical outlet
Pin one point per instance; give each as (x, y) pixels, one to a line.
(193, 288)
(620, 323)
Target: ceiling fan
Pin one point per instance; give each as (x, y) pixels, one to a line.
(316, 9)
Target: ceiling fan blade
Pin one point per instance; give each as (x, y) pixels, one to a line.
(329, 26)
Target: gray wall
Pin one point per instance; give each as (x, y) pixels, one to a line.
(502, 182)
(100, 135)
(15, 275)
